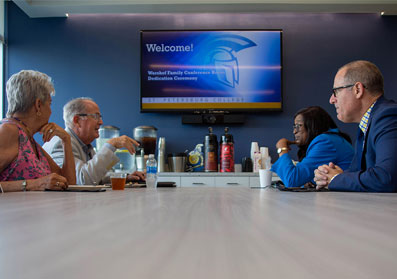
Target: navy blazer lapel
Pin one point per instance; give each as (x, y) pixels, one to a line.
(359, 148)
(364, 146)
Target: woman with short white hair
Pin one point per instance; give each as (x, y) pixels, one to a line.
(24, 165)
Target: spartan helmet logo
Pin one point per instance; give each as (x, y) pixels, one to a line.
(222, 57)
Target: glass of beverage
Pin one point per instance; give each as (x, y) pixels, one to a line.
(118, 180)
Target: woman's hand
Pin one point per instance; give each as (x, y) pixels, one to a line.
(284, 143)
(51, 129)
(67, 171)
(52, 181)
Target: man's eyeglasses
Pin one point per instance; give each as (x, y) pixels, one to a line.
(96, 116)
(335, 90)
(296, 127)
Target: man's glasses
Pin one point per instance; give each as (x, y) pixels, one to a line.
(296, 127)
(335, 90)
(96, 116)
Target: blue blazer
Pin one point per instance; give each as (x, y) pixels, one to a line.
(323, 149)
(374, 166)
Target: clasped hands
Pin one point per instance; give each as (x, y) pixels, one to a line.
(325, 173)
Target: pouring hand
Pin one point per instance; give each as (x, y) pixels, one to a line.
(124, 142)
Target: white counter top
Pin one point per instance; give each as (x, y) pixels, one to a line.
(209, 174)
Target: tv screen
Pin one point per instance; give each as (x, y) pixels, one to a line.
(211, 70)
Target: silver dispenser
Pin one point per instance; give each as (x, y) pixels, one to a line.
(161, 155)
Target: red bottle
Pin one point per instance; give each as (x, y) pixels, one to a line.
(210, 152)
(226, 152)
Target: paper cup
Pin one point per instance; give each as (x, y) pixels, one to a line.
(265, 178)
(254, 148)
(264, 151)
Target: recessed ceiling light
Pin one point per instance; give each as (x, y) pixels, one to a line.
(382, 13)
(67, 15)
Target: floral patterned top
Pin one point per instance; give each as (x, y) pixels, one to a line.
(26, 165)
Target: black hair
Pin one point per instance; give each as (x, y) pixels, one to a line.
(316, 122)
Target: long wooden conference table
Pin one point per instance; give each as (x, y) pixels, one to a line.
(224, 232)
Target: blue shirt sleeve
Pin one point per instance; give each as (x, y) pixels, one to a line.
(320, 151)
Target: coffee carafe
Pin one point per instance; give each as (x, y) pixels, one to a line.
(146, 136)
(210, 152)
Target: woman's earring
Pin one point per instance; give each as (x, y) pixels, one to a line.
(38, 113)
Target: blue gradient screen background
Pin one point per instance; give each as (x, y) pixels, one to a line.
(211, 67)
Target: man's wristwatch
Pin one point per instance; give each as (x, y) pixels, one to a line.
(281, 149)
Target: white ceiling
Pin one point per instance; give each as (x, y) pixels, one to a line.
(58, 8)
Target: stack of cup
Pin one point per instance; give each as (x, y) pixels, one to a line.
(257, 161)
(262, 164)
(265, 174)
(265, 158)
(254, 148)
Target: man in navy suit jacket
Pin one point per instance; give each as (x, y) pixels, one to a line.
(358, 98)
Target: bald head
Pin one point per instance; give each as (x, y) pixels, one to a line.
(365, 72)
(357, 86)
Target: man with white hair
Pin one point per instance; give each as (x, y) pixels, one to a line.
(82, 120)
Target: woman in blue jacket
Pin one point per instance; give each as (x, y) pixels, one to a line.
(319, 141)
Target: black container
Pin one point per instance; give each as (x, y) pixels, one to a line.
(246, 164)
(226, 161)
(210, 152)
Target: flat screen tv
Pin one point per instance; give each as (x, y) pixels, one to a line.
(211, 70)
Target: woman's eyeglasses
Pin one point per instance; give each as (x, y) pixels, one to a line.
(296, 127)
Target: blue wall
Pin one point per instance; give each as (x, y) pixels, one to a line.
(98, 56)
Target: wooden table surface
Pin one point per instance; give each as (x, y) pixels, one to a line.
(198, 233)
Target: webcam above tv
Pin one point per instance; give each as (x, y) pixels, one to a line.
(193, 71)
